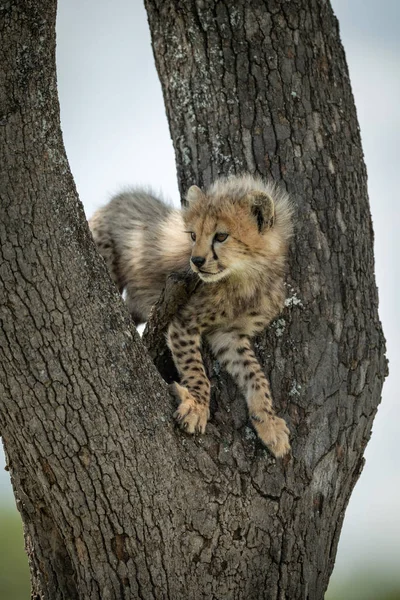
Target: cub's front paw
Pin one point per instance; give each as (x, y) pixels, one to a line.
(191, 415)
(272, 431)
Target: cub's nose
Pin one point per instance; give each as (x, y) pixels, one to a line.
(198, 261)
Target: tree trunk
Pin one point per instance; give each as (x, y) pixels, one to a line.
(116, 502)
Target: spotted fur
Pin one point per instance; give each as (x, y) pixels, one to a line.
(235, 237)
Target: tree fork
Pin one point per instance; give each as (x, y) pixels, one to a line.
(116, 503)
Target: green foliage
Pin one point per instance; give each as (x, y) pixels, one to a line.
(373, 584)
(14, 571)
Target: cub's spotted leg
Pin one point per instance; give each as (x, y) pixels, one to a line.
(194, 391)
(235, 354)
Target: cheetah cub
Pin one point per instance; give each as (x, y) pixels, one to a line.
(235, 237)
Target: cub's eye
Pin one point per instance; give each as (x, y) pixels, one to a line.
(193, 236)
(220, 237)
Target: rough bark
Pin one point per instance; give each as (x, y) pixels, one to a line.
(175, 295)
(116, 502)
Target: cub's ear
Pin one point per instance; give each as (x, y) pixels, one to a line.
(194, 194)
(262, 208)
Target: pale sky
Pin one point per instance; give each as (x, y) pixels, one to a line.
(116, 134)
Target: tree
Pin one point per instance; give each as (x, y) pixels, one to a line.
(117, 503)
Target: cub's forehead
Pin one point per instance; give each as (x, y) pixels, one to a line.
(201, 208)
(212, 208)
(208, 221)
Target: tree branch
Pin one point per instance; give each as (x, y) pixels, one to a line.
(178, 289)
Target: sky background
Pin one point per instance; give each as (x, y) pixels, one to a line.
(116, 134)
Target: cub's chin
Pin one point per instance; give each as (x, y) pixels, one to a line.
(212, 277)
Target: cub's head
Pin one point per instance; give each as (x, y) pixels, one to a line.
(236, 227)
